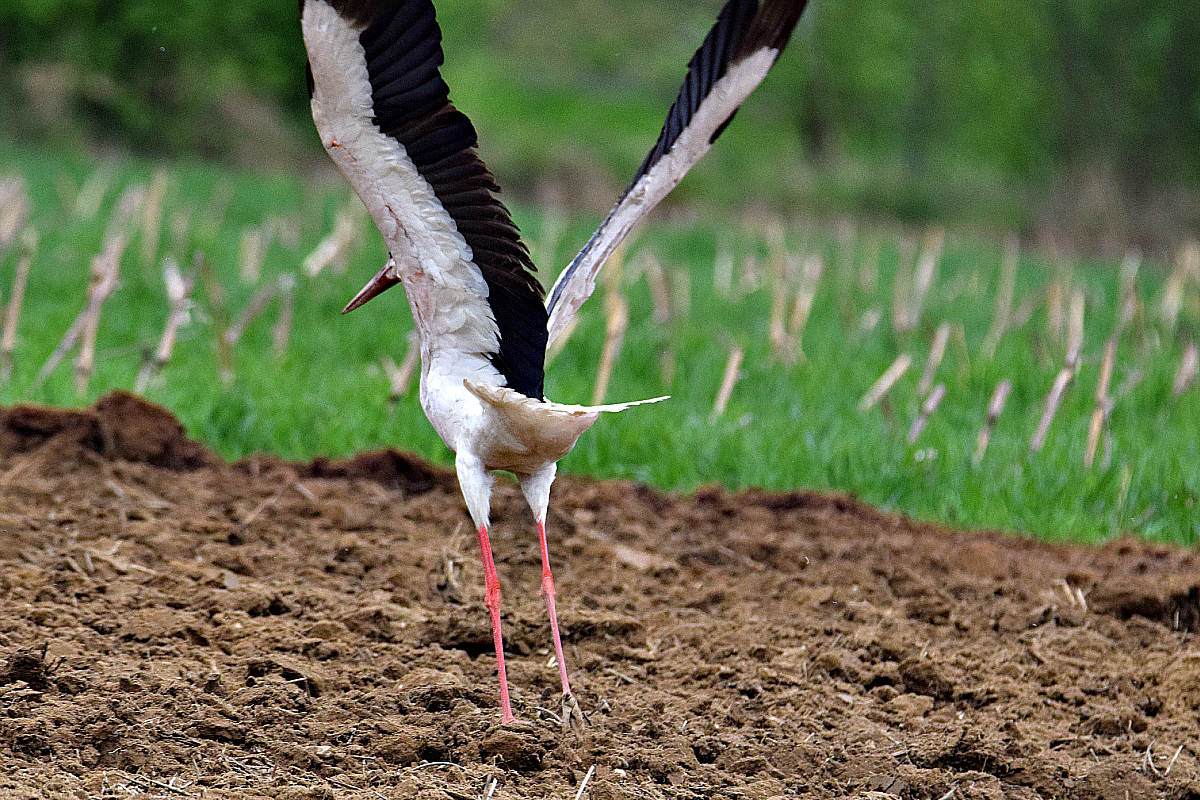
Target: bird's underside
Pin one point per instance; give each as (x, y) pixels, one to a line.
(483, 319)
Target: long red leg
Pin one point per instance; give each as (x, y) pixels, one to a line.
(548, 597)
(492, 599)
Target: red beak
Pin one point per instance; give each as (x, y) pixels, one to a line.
(382, 281)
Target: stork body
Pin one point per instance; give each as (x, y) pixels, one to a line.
(384, 116)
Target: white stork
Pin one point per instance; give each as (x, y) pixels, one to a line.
(483, 320)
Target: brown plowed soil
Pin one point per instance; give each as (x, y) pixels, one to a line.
(172, 626)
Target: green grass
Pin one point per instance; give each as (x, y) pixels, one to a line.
(786, 426)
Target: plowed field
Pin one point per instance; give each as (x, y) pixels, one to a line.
(174, 626)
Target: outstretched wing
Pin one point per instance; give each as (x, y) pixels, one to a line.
(733, 59)
(384, 116)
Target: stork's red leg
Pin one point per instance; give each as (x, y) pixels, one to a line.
(492, 599)
(548, 597)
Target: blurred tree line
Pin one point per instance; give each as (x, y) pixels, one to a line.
(1022, 88)
(145, 75)
(908, 108)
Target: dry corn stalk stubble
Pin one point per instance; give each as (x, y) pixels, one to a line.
(1065, 376)
(729, 377)
(995, 409)
(178, 286)
(12, 312)
(615, 322)
(885, 382)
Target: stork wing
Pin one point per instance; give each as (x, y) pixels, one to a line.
(384, 116)
(733, 59)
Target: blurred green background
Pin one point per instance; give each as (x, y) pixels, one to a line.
(1074, 123)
